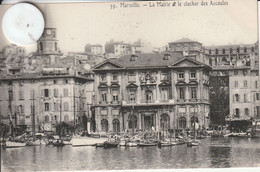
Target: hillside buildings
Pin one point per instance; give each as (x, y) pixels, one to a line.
(59, 88)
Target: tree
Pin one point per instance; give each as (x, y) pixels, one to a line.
(219, 99)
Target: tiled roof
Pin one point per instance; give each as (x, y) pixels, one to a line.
(147, 60)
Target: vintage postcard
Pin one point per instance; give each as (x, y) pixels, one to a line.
(130, 85)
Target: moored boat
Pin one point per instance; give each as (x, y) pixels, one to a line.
(131, 144)
(100, 145)
(193, 143)
(111, 144)
(58, 143)
(86, 141)
(35, 143)
(11, 144)
(164, 144)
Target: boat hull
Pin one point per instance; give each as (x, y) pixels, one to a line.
(131, 144)
(86, 141)
(35, 143)
(146, 144)
(10, 144)
(110, 145)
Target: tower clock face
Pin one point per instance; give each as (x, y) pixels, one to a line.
(48, 32)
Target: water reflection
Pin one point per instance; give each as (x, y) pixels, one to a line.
(224, 152)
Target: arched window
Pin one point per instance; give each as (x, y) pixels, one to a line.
(116, 125)
(246, 111)
(165, 122)
(182, 122)
(192, 120)
(237, 113)
(104, 125)
(149, 95)
(46, 118)
(132, 120)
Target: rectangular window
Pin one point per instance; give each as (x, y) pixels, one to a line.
(46, 107)
(103, 95)
(256, 84)
(66, 106)
(115, 77)
(103, 78)
(21, 95)
(115, 93)
(245, 84)
(56, 107)
(132, 95)
(180, 75)
(56, 92)
(65, 92)
(235, 72)
(164, 77)
(236, 84)
(32, 109)
(32, 94)
(181, 93)
(164, 93)
(46, 93)
(257, 96)
(193, 93)
(193, 75)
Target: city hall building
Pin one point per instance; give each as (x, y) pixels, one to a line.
(159, 91)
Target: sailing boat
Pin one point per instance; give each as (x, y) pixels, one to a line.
(34, 142)
(59, 142)
(11, 143)
(194, 142)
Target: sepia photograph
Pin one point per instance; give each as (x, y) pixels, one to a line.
(129, 85)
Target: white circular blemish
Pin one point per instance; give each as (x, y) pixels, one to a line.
(23, 24)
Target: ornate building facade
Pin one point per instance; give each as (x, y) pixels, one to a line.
(151, 91)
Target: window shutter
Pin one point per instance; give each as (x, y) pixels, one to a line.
(49, 106)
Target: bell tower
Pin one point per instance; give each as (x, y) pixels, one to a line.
(48, 44)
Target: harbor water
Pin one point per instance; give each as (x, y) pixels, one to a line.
(212, 153)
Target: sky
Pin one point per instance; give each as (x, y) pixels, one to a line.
(95, 23)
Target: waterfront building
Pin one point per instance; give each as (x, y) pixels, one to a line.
(56, 85)
(234, 79)
(151, 91)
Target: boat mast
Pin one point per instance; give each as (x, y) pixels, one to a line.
(60, 116)
(132, 116)
(33, 118)
(74, 110)
(10, 111)
(174, 133)
(194, 123)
